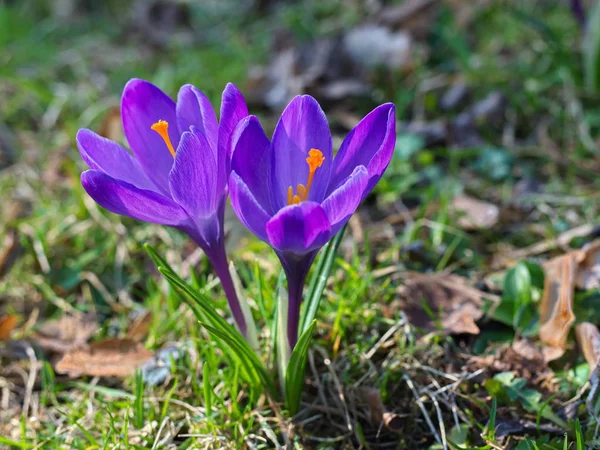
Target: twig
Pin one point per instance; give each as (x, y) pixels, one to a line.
(162, 426)
(440, 418)
(384, 338)
(30, 379)
(411, 385)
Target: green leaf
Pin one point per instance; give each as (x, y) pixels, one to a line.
(319, 280)
(208, 392)
(516, 308)
(138, 413)
(219, 327)
(237, 350)
(579, 435)
(283, 346)
(515, 390)
(12, 443)
(491, 427)
(294, 376)
(517, 284)
(158, 260)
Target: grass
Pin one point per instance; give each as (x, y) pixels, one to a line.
(58, 76)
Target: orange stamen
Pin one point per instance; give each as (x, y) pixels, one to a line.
(162, 128)
(302, 192)
(315, 160)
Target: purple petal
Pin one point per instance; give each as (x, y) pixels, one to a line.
(194, 109)
(299, 229)
(125, 199)
(142, 105)
(109, 157)
(302, 126)
(342, 202)
(370, 144)
(233, 109)
(193, 179)
(247, 208)
(251, 160)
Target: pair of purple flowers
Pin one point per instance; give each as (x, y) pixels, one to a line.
(290, 192)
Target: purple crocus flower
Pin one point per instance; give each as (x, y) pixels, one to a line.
(178, 172)
(293, 194)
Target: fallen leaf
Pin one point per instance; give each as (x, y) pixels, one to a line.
(139, 327)
(66, 333)
(588, 273)
(111, 127)
(459, 304)
(588, 338)
(524, 357)
(556, 309)
(7, 325)
(476, 213)
(377, 410)
(112, 357)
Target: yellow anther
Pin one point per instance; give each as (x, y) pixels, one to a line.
(162, 128)
(302, 192)
(315, 160)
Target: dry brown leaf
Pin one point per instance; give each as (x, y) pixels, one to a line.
(588, 338)
(66, 333)
(477, 213)
(113, 357)
(111, 127)
(377, 411)
(556, 309)
(139, 327)
(588, 273)
(460, 304)
(524, 357)
(7, 325)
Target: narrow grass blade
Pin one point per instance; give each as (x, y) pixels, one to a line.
(12, 443)
(294, 379)
(591, 50)
(579, 435)
(138, 413)
(208, 392)
(319, 280)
